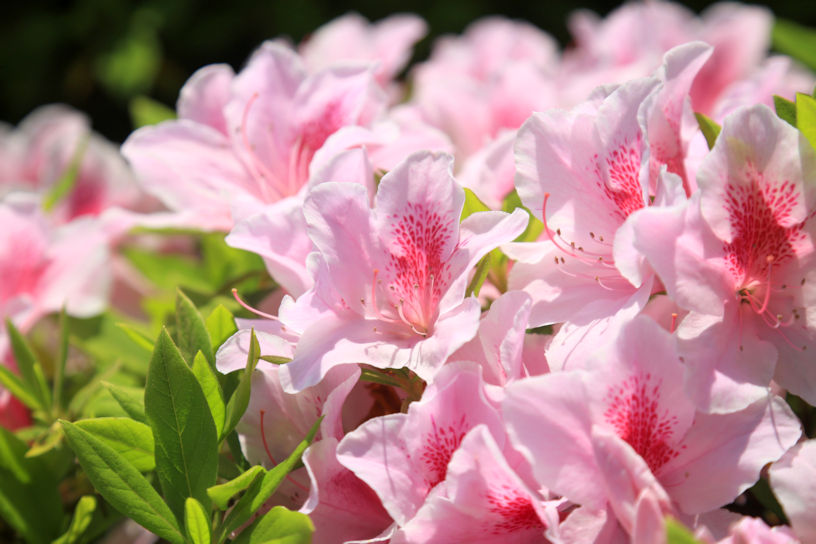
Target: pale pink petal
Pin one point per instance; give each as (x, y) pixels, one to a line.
(792, 480)
(724, 453)
(204, 96)
(340, 505)
(188, 166)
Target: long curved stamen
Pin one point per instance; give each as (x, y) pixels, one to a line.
(250, 308)
(570, 248)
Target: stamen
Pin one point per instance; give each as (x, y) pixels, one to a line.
(673, 322)
(250, 308)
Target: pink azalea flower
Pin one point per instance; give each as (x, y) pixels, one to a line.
(252, 135)
(631, 41)
(351, 38)
(40, 151)
(792, 480)
(490, 79)
(390, 281)
(444, 471)
(739, 257)
(605, 435)
(44, 268)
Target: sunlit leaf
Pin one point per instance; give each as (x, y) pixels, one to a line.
(122, 485)
(183, 429)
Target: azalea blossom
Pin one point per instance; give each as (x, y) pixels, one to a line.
(739, 257)
(624, 425)
(390, 281)
(444, 470)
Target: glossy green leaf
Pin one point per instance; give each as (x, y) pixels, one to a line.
(191, 332)
(122, 485)
(221, 494)
(145, 111)
(183, 429)
(239, 400)
(709, 128)
(806, 116)
(221, 325)
(785, 109)
(212, 390)
(262, 488)
(29, 498)
(278, 526)
(472, 205)
(131, 399)
(795, 40)
(196, 522)
(534, 225)
(676, 533)
(131, 439)
(30, 369)
(83, 514)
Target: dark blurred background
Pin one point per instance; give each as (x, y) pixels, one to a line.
(96, 55)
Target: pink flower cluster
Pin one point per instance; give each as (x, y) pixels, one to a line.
(678, 281)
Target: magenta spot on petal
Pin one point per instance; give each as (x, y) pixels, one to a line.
(439, 447)
(618, 177)
(515, 510)
(633, 411)
(755, 212)
(417, 273)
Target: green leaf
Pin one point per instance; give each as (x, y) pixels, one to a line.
(676, 533)
(479, 277)
(169, 271)
(806, 116)
(220, 325)
(196, 522)
(130, 439)
(83, 514)
(261, 489)
(145, 111)
(15, 385)
(137, 336)
(30, 369)
(62, 359)
(122, 485)
(191, 333)
(29, 498)
(60, 189)
(709, 128)
(278, 526)
(183, 429)
(103, 338)
(212, 390)
(472, 205)
(239, 400)
(795, 40)
(131, 399)
(785, 109)
(276, 359)
(221, 494)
